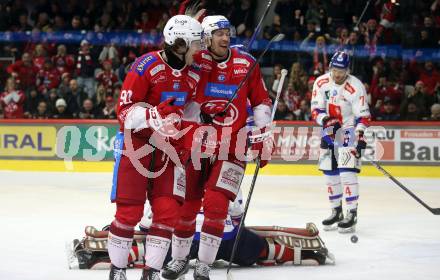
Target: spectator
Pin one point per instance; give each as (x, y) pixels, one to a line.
(24, 71)
(303, 113)
(414, 106)
(243, 16)
(109, 111)
(282, 113)
(63, 62)
(88, 111)
(107, 77)
(51, 101)
(61, 110)
(109, 53)
(31, 103)
(41, 112)
(39, 56)
(12, 101)
(101, 94)
(388, 112)
(85, 68)
(64, 87)
(411, 112)
(75, 99)
(435, 112)
(144, 23)
(47, 78)
(429, 76)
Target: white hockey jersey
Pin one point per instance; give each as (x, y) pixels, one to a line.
(346, 102)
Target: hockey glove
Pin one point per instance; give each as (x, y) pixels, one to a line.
(360, 144)
(262, 144)
(163, 117)
(330, 127)
(212, 113)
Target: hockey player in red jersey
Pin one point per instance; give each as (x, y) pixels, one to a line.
(153, 95)
(217, 143)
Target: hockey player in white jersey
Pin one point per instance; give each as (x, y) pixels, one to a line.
(339, 105)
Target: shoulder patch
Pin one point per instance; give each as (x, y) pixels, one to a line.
(247, 55)
(206, 56)
(194, 76)
(322, 82)
(349, 88)
(241, 61)
(157, 69)
(143, 64)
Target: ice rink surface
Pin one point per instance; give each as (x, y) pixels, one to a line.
(398, 238)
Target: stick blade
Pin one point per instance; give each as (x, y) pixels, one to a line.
(229, 275)
(436, 211)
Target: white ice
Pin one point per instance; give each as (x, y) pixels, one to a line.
(398, 238)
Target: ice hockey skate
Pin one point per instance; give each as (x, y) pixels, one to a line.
(201, 271)
(176, 269)
(150, 274)
(331, 222)
(348, 224)
(117, 273)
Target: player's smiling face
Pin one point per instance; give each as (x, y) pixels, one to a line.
(220, 41)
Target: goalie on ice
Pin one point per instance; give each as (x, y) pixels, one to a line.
(261, 245)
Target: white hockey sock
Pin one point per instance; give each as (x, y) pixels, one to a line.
(351, 189)
(334, 190)
(208, 247)
(181, 247)
(118, 250)
(156, 249)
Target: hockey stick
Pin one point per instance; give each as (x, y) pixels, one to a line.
(435, 211)
(361, 16)
(251, 190)
(275, 38)
(258, 27)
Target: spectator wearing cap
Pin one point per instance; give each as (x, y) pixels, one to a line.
(47, 78)
(75, 98)
(88, 110)
(85, 68)
(435, 112)
(107, 77)
(61, 110)
(12, 101)
(387, 112)
(109, 111)
(24, 71)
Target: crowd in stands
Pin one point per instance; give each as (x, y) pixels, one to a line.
(82, 80)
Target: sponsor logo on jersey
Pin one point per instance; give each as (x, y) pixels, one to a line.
(194, 76)
(327, 94)
(221, 78)
(143, 64)
(241, 61)
(240, 71)
(179, 95)
(322, 82)
(220, 90)
(176, 85)
(349, 88)
(159, 79)
(206, 56)
(335, 92)
(157, 69)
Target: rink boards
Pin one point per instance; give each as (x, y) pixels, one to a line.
(408, 149)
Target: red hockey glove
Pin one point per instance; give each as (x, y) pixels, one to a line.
(211, 111)
(262, 144)
(164, 116)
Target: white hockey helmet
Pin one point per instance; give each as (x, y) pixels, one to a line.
(213, 23)
(184, 27)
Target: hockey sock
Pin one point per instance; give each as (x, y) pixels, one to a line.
(351, 189)
(215, 205)
(120, 239)
(334, 190)
(185, 228)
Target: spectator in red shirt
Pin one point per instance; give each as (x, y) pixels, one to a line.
(107, 77)
(47, 78)
(12, 101)
(39, 56)
(430, 77)
(24, 71)
(63, 62)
